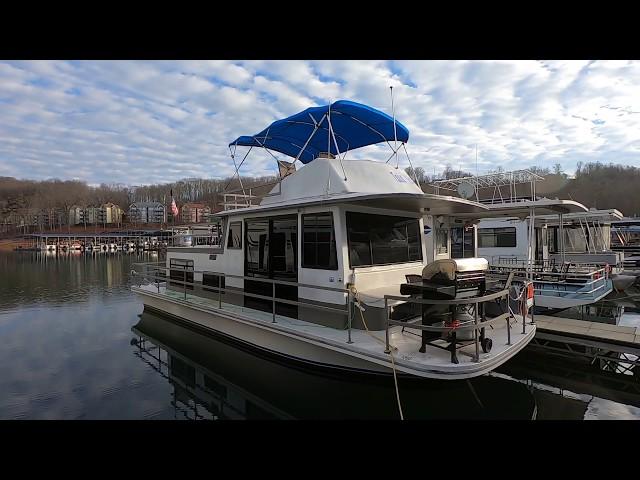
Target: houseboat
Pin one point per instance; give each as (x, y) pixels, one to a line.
(336, 267)
(537, 239)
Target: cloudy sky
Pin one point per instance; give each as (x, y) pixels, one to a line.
(140, 122)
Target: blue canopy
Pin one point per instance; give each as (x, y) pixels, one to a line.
(354, 125)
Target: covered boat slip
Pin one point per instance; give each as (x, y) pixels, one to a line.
(361, 350)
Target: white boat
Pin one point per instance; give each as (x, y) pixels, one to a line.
(330, 296)
(559, 245)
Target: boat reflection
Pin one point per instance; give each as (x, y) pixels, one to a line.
(213, 379)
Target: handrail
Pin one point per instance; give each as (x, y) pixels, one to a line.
(155, 266)
(160, 267)
(474, 325)
(568, 274)
(252, 295)
(265, 280)
(460, 301)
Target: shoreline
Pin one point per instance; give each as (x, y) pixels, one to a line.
(11, 244)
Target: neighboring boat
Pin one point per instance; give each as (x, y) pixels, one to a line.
(531, 238)
(316, 272)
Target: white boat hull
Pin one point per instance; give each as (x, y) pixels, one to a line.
(324, 353)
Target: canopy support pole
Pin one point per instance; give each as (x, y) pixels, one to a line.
(395, 135)
(315, 129)
(415, 176)
(233, 157)
(274, 157)
(336, 145)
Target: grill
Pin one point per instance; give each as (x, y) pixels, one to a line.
(450, 279)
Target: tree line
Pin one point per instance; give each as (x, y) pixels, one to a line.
(45, 204)
(594, 184)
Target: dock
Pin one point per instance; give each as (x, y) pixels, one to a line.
(615, 347)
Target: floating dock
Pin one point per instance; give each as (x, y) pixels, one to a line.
(615, 347)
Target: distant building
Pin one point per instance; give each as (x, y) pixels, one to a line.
(147, 212)
(194, 212)
(110, 213)
(91, 215)
(76, 215)
(106, 214)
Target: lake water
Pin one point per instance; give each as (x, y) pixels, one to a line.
(70, 348)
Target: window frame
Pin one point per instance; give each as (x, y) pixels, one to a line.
(230, 237)
(331, 242)
(494, 232)
(399, 219)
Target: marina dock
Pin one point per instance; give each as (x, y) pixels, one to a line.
(614, 346)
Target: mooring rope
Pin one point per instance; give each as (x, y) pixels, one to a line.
(356, 295)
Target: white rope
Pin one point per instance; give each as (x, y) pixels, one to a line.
(356, 295)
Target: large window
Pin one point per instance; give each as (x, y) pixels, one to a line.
(497, 237)
(319, 242)
(382, 239)
(235, 235)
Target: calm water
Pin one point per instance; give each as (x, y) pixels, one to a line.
(70, 348)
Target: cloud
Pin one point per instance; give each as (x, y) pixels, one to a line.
(138, 122)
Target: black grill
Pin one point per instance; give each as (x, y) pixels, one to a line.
(448, 280)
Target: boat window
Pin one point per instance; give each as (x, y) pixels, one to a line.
(182, 271)
(442, 241)
(497, 237)
(382, 239)
(462, 242)
(235, 235)
(319, 242)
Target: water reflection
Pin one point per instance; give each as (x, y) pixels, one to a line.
(212, 379)
(66, 324)
(32, 278)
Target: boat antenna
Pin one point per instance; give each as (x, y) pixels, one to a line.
(477, 175)
(395, 135)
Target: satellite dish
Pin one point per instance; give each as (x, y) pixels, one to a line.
(466, 190)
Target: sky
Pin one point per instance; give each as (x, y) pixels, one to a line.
(142, 122)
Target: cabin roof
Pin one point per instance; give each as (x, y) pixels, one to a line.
(357, 182)
(543, 206)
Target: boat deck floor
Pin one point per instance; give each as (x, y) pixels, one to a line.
(371, 345)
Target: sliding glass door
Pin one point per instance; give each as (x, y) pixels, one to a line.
(272, 253)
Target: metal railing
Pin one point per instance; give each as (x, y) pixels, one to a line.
(157, 267)
(559, 283)
(475, 325)
(544, 266)
(159, 275)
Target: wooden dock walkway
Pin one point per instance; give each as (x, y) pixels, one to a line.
(591, 330)
(612, 347)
